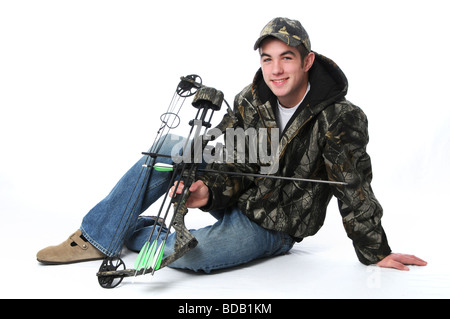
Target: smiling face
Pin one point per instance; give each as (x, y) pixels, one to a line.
(284, 71)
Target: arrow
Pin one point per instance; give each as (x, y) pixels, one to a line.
(157, 257)
(145, 256)
(162, 167)
(150, 257)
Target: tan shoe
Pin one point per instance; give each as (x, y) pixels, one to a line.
(74, 249)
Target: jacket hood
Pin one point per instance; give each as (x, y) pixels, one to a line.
(328, 84)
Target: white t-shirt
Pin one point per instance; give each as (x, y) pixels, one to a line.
(285, 114)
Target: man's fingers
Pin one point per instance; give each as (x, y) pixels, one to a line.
(399, 265)
(399, 261)
(412, 260)
(178, 190)
(196, 186)
(391, 263)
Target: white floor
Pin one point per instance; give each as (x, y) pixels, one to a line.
(323, 266)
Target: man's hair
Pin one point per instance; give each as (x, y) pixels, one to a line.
(303, 52)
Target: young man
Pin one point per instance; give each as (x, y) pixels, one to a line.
(322, 136)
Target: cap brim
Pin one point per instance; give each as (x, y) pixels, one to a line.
(258, 42)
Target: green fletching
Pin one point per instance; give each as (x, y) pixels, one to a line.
(158, 256)
(149, 256)
(139, 258)
(162, 167)
(145, 256)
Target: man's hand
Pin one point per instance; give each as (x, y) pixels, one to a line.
(399, 261)
(199, 194)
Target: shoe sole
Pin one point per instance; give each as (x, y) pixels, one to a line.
(45, 262)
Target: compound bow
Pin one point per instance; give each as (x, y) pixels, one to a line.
(207, 100)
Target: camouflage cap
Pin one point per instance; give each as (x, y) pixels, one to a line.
(289, 31)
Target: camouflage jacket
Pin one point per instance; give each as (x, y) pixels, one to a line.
(325, 139)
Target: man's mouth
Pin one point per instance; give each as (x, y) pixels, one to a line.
(280, 81)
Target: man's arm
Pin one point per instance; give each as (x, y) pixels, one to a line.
(347, 160)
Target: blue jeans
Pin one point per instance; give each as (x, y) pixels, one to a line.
(232, 240)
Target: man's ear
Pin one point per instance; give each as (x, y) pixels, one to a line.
(309, 61)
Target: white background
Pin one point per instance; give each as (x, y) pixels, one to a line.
(82, 85)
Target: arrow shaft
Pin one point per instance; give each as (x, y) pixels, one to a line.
(162, 167)
(272, 176)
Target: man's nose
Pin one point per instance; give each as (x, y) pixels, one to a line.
(277, 67)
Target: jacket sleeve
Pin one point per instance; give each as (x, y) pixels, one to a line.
(346, 160)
